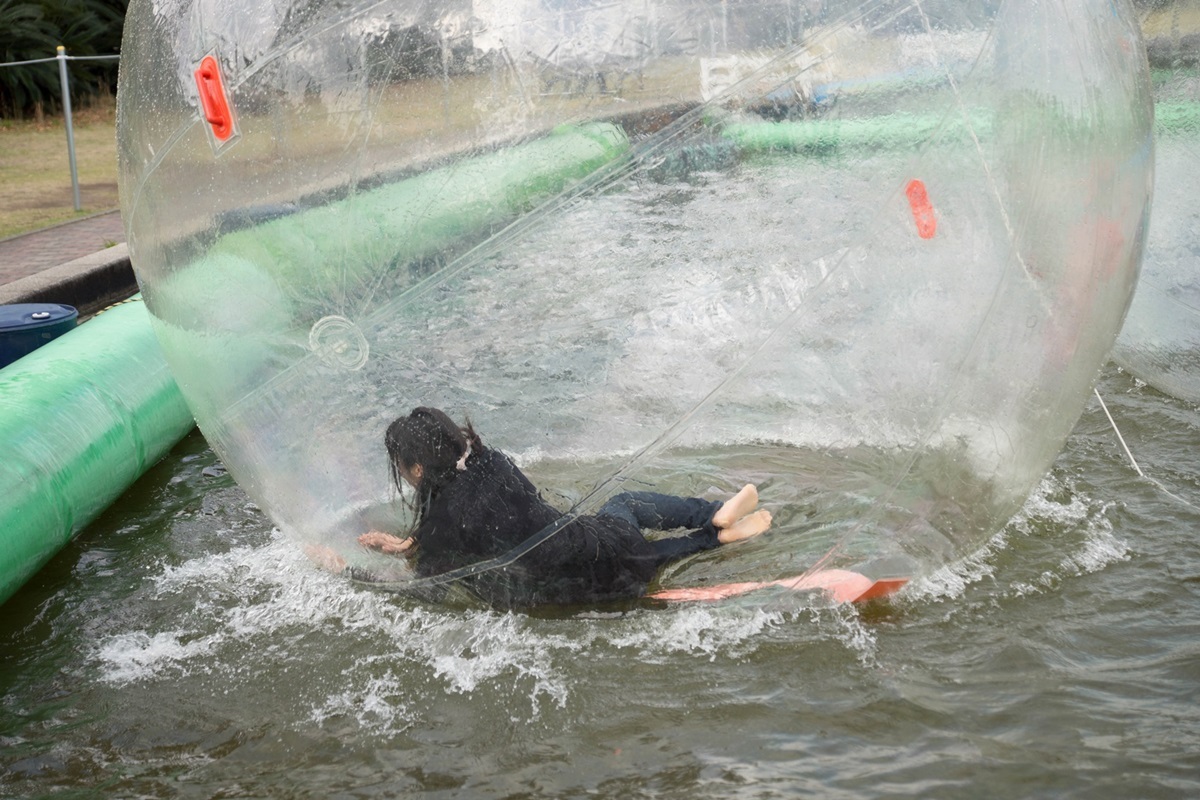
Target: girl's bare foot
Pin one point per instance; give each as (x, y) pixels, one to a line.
(736, 507)
(746, 527)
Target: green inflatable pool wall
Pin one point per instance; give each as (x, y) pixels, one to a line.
(81, 418)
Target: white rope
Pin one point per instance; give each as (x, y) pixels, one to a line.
(1117, 431)
(1133, 461)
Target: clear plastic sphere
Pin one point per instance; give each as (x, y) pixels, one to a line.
(1160, 342)
(867, 255)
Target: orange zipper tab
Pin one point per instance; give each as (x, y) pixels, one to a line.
(922, 209)
(214, 101)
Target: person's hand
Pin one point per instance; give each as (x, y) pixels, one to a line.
(385, 542)
(325, 557)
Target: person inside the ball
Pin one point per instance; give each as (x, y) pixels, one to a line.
(471, 504)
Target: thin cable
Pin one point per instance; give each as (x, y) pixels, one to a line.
(1133, 461)
(1117, 431)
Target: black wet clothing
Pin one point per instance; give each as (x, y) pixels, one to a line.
(491, 507)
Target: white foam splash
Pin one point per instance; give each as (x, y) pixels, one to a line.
(951, 580)
(391, 655)
(480, 648)
(240, 594)
(1041, 505)
(855, 634)
(1100, 549)
(1077, 516)
(377, 706)
(1097, 547)
(138, 655)
(692, 630)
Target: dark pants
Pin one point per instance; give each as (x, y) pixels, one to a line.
(663, 512)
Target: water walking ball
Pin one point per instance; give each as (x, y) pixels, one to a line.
(866, 255)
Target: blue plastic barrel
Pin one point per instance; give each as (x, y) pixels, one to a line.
(24, 327)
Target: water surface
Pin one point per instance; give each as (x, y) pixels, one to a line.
(181, 647)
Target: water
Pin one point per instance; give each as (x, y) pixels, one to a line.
(180, 647)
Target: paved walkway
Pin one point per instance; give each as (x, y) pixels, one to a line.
(30, 253)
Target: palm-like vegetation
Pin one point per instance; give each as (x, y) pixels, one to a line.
(32, 29)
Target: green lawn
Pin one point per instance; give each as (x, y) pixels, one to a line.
(35, 171)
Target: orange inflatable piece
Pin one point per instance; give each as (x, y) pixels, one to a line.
(214, 100)
(842, 586)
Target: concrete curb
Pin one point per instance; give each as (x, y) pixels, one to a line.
(90, 283)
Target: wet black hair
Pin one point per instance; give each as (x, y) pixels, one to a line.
(429, 438)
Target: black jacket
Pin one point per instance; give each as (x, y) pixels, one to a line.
(491, 507)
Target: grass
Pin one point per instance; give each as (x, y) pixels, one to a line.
(35, 170)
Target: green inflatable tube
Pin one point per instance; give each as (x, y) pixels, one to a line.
(827, 137)
(81, 418)
(351, 242)
(857, 135)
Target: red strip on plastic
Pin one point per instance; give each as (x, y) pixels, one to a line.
(213, 98)
(922, 209)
